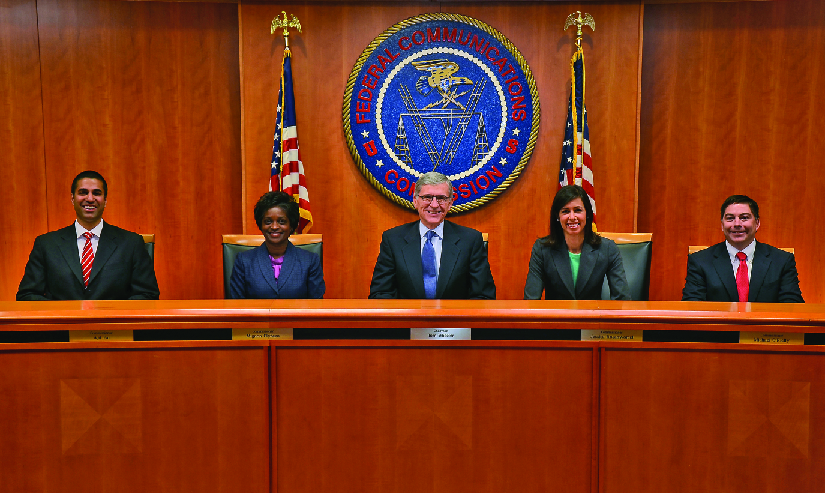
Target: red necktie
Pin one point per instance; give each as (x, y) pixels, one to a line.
(88, 258)
(742, 277)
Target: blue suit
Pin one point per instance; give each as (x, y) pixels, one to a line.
(301, 275)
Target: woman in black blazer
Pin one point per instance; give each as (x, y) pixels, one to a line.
(573, 246)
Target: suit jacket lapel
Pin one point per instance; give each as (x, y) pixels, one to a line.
(264, 266)
(412, 259)
(724, 269)
(561, 260)
(288, 267)
(68, 249)
(449, 255)
(587, 262)
(761, 264)
(106, 246)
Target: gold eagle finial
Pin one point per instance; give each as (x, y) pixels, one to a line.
(285, 23)
(578, 20)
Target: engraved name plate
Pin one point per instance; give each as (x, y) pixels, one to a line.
(771, 338)
(101, 335)
(417, 334)
(251, 334)
(612, 335)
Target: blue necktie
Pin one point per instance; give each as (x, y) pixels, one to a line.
(428, 266)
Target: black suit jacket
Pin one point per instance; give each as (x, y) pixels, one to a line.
(464, 272)
(122, 268)
(550, 272)
(710, 276)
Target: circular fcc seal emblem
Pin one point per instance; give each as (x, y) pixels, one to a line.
(446, 93)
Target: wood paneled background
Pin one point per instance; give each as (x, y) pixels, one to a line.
(733, 101)
(174, 104)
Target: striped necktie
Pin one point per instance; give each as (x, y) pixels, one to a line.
(88, 258)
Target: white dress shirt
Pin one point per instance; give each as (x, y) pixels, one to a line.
(734, 262)
(81, 240)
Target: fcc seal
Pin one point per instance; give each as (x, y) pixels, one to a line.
(446, 93)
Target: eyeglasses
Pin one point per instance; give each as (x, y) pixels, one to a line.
(441, 199)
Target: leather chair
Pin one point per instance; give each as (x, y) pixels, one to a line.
(695, 248)
(637, 252)
(149, 243)
(235, 244)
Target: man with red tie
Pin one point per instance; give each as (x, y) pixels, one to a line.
(90, 259)
(741, 269)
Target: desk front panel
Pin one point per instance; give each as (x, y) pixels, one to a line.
(105, 419)
(713, 419)
(434, 418)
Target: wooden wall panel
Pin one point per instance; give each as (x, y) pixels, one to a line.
(433, 419)
(132, 420)
(684, 421)
(733, 102)
(147, 93)
(350, 213)
(22, 169)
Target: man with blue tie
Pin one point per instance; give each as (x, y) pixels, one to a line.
(432, 258)
(740, 269)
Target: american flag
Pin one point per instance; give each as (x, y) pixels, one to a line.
(287, 168)
(576, 167)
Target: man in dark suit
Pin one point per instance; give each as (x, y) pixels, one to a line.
(740, 269)
(90, 259)
(432, 258)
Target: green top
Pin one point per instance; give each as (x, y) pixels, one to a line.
(575, 259)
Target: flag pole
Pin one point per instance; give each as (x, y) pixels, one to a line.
(576, 166)
(576, 19)
(283, 23)
(287, 169)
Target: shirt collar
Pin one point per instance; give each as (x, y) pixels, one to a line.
(79, 230)
(748, 250)
(439, 230)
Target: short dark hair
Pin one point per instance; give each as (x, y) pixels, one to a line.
(93, 175)
(282, 200)
(563, 197)
(740, 199)
(433, 178)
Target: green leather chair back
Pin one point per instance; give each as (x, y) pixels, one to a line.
(235, 244)
(149, 243)
(637, 252)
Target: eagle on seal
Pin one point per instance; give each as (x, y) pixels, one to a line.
(441, 79)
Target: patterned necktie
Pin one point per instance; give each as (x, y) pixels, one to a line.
(742, 277)
(88, 258)
(428, 266)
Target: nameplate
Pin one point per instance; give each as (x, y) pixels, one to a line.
(252, 334)
(612, 335)
(781, 338)
(440, 334)
(101, 336)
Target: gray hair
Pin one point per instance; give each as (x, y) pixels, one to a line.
(433, 178)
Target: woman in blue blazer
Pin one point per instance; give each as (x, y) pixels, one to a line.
(277, 269)
(571, 262)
